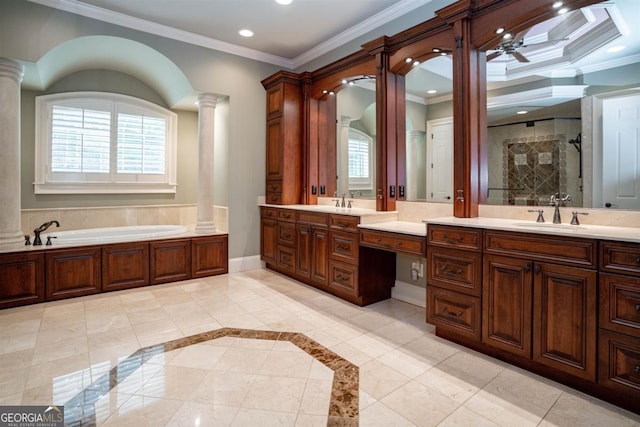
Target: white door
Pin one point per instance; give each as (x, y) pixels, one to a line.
(621, 152)
(440, 160)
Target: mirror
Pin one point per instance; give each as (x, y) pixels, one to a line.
(429, 127)
(356, 138)
(562, 115)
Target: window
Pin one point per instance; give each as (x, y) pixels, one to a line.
(361, 160)
(93, 142)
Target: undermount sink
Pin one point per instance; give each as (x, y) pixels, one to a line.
(552, 227)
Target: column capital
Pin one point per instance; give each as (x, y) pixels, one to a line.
(12, 69)
(207, 100)
(345, 121)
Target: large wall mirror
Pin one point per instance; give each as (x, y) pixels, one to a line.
(563, 110)
(356, 137)
(429, 131)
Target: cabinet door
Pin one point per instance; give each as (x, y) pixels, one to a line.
(303, 250)
(209, 256)
(320, 261)
(72, 273)
(125, 266)
(506, 308)
(268, 238)
(274, 152)
(21, 279)
(564, 328)
(170, 261)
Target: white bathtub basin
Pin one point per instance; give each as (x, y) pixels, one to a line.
(113, 234)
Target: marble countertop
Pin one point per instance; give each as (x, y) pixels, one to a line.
(402, 227)
(589, 231)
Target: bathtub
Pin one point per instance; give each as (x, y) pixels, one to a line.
(113, 234)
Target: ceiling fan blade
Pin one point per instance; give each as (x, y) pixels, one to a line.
(494, 55)
(520, 57)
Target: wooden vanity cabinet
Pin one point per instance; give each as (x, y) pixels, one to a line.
(284, 162)
(170, 260)
(454, 279)
(209, 255)
(268, 234)
(21, 279)
(619, 320)
(558, 300)
(72, 272)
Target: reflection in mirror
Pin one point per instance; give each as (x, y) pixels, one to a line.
(563, 110)
(356, 139)
(429, 125)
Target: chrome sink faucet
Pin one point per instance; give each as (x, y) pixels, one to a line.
(556, 201)
(340, 203)
(36, 239)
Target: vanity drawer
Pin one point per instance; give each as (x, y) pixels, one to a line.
(344, 222)
(454, 312)
(456, 270)
(620, 257)
(286, 258)
(313, 218)
(270, 213)
(620, 304)
(394, 242)
(274, 187)
(542, 247)
(458, 237)
(343, 277)
(273, 198)
(286, 233)
(344, 246)
(619, 360)
(287, 215)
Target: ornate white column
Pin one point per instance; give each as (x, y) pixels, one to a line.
(343, 150)
(206, 120)
(413, 141)
(11, 73)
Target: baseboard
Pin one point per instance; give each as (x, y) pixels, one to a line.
(237, 265)
(409, 293)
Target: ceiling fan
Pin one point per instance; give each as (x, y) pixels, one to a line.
(511, 46)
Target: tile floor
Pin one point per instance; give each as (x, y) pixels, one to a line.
(84, 350)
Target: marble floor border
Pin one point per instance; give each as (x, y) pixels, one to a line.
(343, 406)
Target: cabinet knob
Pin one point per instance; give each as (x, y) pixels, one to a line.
(527, 268)
(638, 307)
(637, 369)
(638, 260)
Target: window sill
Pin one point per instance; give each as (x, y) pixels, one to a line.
(103, 188)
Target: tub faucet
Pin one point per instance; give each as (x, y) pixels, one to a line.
(36, 239)
(556, 201)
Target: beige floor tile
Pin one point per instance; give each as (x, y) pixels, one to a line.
(539, 391)
(371, 345)
(319, 371)
(316, 397)
(406, 363)
(76, 366)
(470, 363)
(112, 338)
(245, 360)
(378, 380)
(255, 417)
(16, 360)
(293, 364)
(223, 388)
(464, 417)
(420, 404)
(576, 409)
(351, 353)
(59, 350)
(432, 347)
(134, 382)
(451, 383)
(365, 400)
(505, 409)
(14, 343)
(200, 414)
(275, 394)
(109, 404)
(140, 411)
(15, 327)
(12, 400)
(198, 356)
(398, 333)
(379, 415)
(156, 314)
(12, 381)
(307, 420)
(172, 382)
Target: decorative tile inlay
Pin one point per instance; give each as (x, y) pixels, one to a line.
(343, 406)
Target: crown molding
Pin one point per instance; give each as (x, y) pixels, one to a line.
(399, 9)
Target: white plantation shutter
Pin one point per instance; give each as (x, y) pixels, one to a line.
(103, 143)
(141, 144)
(80, 140)
(358, 158)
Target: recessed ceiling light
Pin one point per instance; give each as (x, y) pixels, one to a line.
(432, 91)
(506, 36)
(614, 49)
(563, 10)
(416, 63)
(284, 1)
(499, 30)
(436, 50)
(409, 59)
(344, 81)
(557, 5)
(522, 112)
(245, 33)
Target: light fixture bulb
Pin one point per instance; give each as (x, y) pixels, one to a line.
(415, 63)
(409, 59)
(325, 91)
(557, 5)
(332, 93)
(352, 83)
(344, 81)
(443, 53)
(499, 30)
(245, 32)
(285, 2)
(436, 50)
(522, 112)
(506, 36)
(432, 91)
(563, 10)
